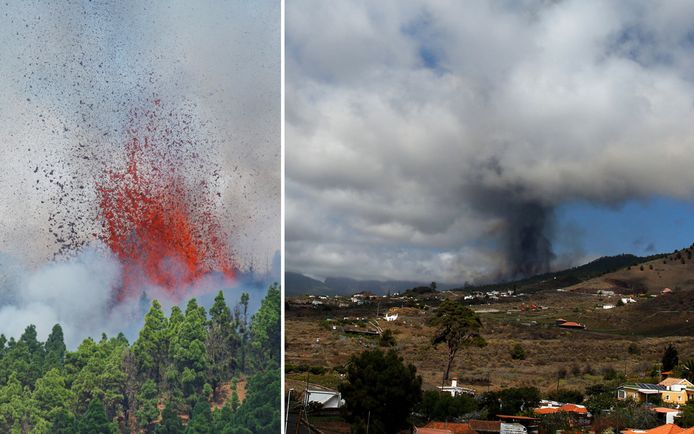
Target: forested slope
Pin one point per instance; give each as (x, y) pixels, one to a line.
(165, 382)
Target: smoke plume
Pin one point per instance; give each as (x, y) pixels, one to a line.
(438, 141)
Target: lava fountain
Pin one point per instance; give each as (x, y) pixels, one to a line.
(158, 219)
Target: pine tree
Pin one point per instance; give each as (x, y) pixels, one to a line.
(55, 349)
(170, 421)
(147, 401)
(63, 422)
(201, 419)
(188, 348)
(221, 342)
(94, 420)
(670, 358)
(151, 346)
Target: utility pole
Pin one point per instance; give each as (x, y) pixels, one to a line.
(286, 419)
(368, 420)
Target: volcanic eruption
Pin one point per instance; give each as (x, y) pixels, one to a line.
(156, 204)
(157, 220)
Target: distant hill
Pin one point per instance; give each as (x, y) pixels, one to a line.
(298, 284)
(569, 277)
(674, 270)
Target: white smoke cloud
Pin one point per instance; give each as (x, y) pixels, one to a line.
(417, 129)
(77, 293)
(80, 294)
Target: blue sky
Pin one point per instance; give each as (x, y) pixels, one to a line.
(641, 227)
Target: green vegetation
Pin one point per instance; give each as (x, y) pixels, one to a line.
(517, 352)
(387, 339)
(179, 363)
(442, 406)
(512, 401)
(571, 276)
(670, 358)
(381, 391)
(458, 326)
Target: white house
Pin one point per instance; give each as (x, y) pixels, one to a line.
(327, 398)
(391, 317)
(456, 390)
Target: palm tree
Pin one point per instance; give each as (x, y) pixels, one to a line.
(688, 369)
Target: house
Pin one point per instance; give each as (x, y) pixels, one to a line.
(513, 428)
(485, 426)
(580, 411)
(679, 390)
(456, 390)
(531, 424)
(668, 428)
(450, 427)
(666, 414)
(671, 391)
(571, 325)
(325, 397)
(569, 408)
(425, 430)
(640, 392)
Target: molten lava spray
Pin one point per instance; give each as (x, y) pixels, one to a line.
(158, 221)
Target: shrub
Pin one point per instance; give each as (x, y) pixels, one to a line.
(609, 373)
(566, 395)
(387, 339)
(317, 370)
(517, 352)
(634, 349)
(575, 371)
(588, 370)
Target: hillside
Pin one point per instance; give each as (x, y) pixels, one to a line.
(568, 277)
(626, 339)
(675, 271)
(299, 284)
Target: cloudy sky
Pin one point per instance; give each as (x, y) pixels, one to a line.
(467, 141)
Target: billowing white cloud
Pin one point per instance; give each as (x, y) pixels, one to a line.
(420, 130)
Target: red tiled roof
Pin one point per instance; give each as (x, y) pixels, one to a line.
(546, 410)
(426, 430)
(570, 324)
(669, 428)
(508, 416)
(574, 408)
(569, 408)
(485, 425)
(665, 410)
(455, 428)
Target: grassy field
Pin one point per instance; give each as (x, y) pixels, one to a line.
(554, 357)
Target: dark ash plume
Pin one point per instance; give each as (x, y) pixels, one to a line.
(528, 232)
(526, 226)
